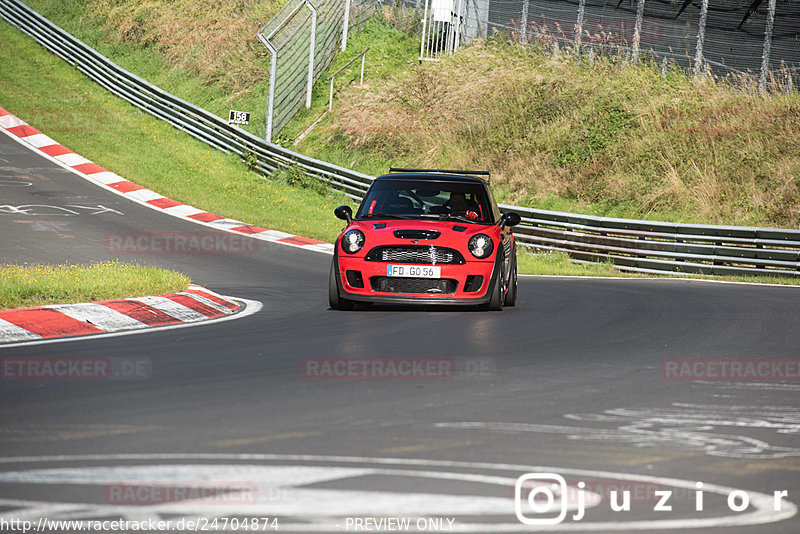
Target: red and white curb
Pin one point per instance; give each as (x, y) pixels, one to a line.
(113, 182)
(66, 320)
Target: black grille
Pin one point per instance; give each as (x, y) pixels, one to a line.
(429, 286)
(416, 254)
(416, 234)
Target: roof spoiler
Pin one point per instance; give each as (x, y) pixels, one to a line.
(488, 174)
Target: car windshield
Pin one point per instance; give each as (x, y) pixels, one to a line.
(416, 199)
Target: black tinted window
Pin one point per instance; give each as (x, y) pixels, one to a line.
(388, 199)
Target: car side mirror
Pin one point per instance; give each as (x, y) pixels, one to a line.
(509, 218)
(344, 212)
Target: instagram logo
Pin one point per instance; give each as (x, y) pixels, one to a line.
(543, 495)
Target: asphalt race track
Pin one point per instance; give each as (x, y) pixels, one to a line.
(575, 381)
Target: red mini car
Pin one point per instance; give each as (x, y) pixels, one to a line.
(425, 237)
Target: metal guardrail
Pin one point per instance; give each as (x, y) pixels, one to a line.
(652, 246)
(646, 246)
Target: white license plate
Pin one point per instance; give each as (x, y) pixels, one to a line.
(414, 271)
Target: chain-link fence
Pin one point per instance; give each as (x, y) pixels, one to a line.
(724, 36)
(728, 35)
(288, 38)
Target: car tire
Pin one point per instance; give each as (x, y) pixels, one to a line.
(336, 302)
(511, 294)
(496, 301)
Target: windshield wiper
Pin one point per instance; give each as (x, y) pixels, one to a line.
(386, 215)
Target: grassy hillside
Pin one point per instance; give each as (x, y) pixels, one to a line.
(53, 96)
(607, 138)
(203, 52)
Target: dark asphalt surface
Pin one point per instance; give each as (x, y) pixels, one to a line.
(570, 380)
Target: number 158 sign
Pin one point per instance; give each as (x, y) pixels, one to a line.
(238, 117)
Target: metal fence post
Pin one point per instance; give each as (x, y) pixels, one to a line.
(701, 37)
(424, 29)
(273, 63)
(578, 27)
(273, 67)
(346, 25)
(312, 46)
(523, 36)
(762, 82)
(637, 31)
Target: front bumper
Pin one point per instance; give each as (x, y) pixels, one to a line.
(459, 273)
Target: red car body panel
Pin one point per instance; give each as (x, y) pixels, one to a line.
(448, 238)
(405, 222)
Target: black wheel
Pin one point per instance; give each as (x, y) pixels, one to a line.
(496, 302)
(511, 294)
(336, 302)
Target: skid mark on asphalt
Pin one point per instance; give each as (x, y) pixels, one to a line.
(686, 427)
(241, 442)
(58, 228)
(55, 433)
(754, 468)
(430, 445)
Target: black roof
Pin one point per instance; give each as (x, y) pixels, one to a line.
(432, 177)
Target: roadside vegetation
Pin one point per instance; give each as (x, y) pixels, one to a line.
(601, 137)
(605, 139)
(49, 94)
(37, 285)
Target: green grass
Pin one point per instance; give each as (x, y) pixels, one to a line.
(37, 285)
(48, 93)
(203, 52)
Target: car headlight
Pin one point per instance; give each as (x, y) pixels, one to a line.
(481, 246)
(352, 241)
